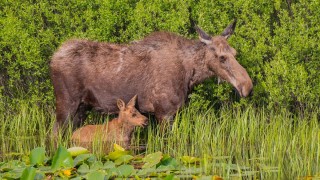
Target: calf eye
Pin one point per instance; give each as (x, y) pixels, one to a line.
(222, 59)
(134, 115)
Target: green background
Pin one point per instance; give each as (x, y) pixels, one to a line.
(277, 42)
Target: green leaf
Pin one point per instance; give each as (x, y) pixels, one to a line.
(168, 161)
(125, 170)
(117, 147)
(169, 177)
(116, 154)
(190, 170)
(96, 166)
(75, 151)
(189, 159)
(123, 159)
(152, 160)
(109, 165)
(40, 176)
(146, 172)
(83, 169)
(29, 173)
(81, 158)
(96, 175)
(37, 156)
(62, 158)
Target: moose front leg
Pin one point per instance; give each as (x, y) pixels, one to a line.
(165, 113)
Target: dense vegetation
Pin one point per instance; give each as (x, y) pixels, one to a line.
(277, 42)
(273, 134)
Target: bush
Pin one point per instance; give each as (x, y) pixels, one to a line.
(277, 42)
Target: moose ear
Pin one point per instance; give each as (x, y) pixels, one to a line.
(229, 30)
(132, 102)
(121, 105)
(203, 36)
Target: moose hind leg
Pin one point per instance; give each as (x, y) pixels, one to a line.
(65, 111)
(81, 115)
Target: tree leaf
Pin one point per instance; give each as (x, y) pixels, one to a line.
(37, 156)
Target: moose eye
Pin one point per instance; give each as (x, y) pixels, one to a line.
(134, 115)
(222, 59)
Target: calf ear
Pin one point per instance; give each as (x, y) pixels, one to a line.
(203, 36)
(229, 30)
(132, 102)
(121, 104)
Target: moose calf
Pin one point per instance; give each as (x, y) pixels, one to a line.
(118, 130)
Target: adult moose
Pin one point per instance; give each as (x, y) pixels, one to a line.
(161, 69)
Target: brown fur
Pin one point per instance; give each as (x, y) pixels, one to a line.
(162, 69)
(119, 129)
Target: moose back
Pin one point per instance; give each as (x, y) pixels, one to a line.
(161, 69)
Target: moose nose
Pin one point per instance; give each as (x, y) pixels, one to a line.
(245, 89)
(146, 122)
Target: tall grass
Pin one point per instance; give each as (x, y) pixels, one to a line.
(232, 143)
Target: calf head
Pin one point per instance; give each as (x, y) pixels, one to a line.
(129, 114)
(220, 59)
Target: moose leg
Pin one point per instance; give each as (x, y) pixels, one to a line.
(80, 115)
(65, 111)
(164, 113)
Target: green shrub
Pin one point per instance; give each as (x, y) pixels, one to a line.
(276, 42)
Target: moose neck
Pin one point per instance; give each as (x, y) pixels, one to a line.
(195, 63)
(121, 129)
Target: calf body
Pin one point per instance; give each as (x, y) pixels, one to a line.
(118, 130)
(161, 68)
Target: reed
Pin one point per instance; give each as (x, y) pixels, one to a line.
(231, 142)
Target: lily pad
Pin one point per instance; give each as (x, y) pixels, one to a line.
(37, 156)
(62, 158)
(96, 175)
(83, 169)
(152, 160)
(125, 170)
(190, 159)
(109, 165)
(75, 151)
(96, 166)
(123, 159)
(29, 173)
(116, 154)
(117, 147)
(80, 159)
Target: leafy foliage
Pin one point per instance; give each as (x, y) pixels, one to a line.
(86, 166)
(277, 42)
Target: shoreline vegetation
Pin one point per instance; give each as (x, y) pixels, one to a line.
(253, 141)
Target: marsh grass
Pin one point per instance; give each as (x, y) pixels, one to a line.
(232, 143)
